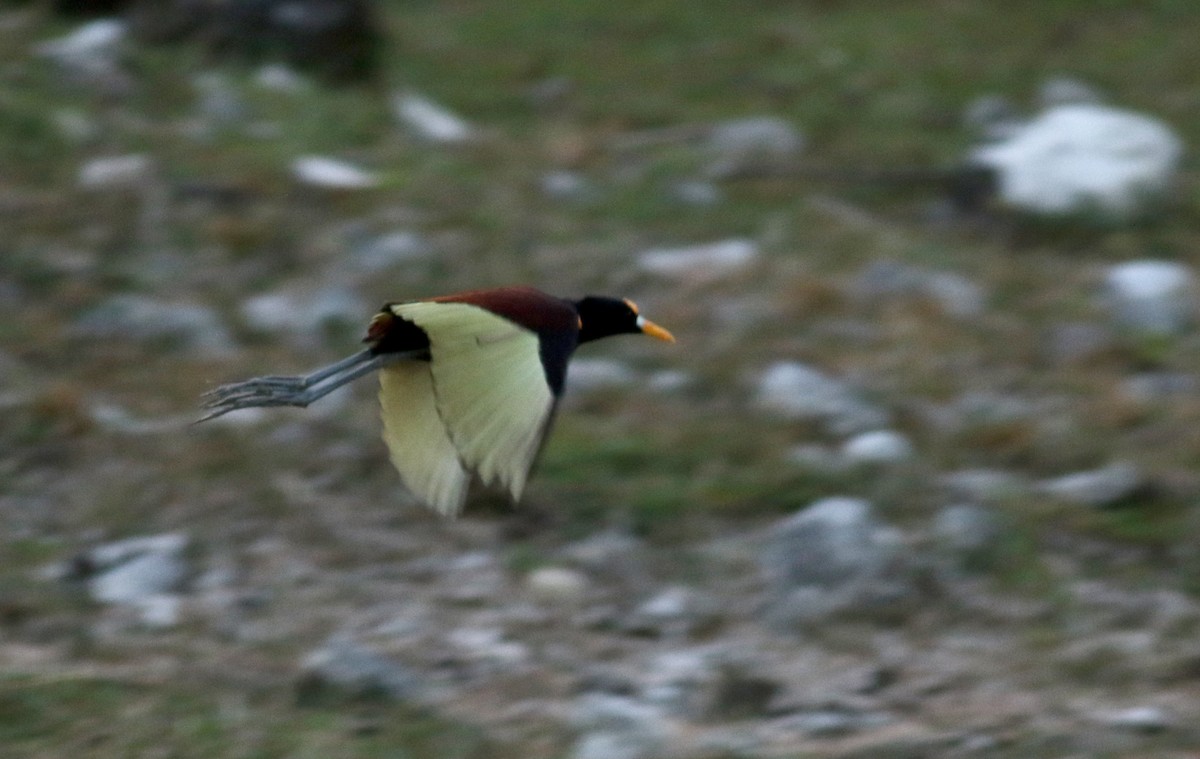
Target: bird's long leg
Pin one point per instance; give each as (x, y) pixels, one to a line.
(298, 390)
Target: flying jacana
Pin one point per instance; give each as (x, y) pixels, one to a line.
(468, 382)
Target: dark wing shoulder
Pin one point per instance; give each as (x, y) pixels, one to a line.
(527, 306)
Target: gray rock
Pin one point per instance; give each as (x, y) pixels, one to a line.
(186, 326)
(589, 374)
(877, 447)
(746, 144)
(674, 612)
(99, 40)
(984, 485)
(567, 185)
(347, 668)
(830, 558)
(390, 249)
(991, 117)
(1140, 719)
(1154, 387)
(968, 532)
(698, 194)
(608, 744)
(796, 391)
(142, 573)
(830, 723)
(304, 315)
(616, 727)
(1154, 297)
(707, 684)
(953, 293)
(1065, 90)
(1071, 343)
(1102, 487)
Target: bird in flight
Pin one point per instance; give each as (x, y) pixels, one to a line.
(469, 382)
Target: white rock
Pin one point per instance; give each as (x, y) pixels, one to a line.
(1157, 297)
(390, 249)
(557, 584)
(115, 171)
(320, 171)
(877, 447)
(1082, 158)
(707, 261)
(97, 39)
(430, 120)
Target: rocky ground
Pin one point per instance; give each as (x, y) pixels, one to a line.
(917, 480)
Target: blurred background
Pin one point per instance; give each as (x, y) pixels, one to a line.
(919, 478)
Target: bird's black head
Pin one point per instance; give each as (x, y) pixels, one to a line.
(601, 316)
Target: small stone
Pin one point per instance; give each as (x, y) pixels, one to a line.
(1141, 719)
(557, 584)
(345, 666)
(673, 612)
(967, 531)
(98, 39)
(1098, 488)
(390, 249)
(132, 570)
(877, 447)
(186, 326)
(303, 314)
(488, 644)
(700, 262)
(616, 745)
(590, 374)
(1065, 90)
(330, 173)
(746, 144)
(110, 172)
(991, 117)
(987, 485)
(279, 77)
(832, 557)
(796, 391)
(1154, 297)
(431, 121)
(567, 185)
(698, 194)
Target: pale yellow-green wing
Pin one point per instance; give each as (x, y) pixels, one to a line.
(417, 441)
(490, 388)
